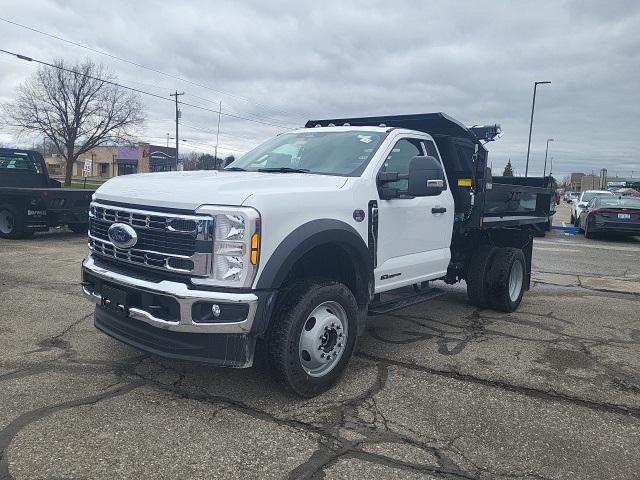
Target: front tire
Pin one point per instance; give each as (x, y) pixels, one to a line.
(313, 336)
(507, 279)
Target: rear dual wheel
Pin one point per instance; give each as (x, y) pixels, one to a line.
(12, 223)
(506, 279)
(496, 278)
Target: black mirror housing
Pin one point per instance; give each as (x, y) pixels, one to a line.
(426, 177)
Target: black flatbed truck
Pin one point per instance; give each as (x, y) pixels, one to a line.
(31, 201)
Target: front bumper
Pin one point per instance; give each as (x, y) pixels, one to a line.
(178, 335)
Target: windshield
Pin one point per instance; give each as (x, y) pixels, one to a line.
(328, 153)
(586, 196)
(620, 202)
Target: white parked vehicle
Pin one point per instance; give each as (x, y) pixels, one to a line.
(585, 197)
(293, 243)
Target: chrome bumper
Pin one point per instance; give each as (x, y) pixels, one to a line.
(183, 296)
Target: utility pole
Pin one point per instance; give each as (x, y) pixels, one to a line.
(176, 94)
(217, 136)
(533, 106)
(167, 139)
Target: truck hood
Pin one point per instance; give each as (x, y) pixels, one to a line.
(189, 190)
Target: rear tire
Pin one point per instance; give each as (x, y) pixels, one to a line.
(12, 223)
(588, 232)
(507, 279)
(477, 290)
(313, 336)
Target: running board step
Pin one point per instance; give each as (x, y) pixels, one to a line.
(383, 308)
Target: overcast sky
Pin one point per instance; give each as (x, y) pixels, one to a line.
(283, 62)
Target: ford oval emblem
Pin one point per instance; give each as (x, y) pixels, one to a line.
(122, 235)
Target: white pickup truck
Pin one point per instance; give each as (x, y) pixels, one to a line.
(293, 243)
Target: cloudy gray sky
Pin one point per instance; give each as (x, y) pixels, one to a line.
(283, 62)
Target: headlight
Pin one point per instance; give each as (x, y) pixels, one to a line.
(236, 246)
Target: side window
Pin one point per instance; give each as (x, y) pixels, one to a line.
(431, 150)
(398, 160)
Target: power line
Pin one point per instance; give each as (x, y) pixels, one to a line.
(204, 146)
(41, 62)
(139, 65)
(255, 115)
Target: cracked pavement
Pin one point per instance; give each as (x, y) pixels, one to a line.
(439, 390)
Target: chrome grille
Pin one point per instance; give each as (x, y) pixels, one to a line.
(166, 241)
(173, 242)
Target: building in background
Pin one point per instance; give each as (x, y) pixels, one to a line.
(602, 185)
(576, 182)
(589, 182)
(110, 161)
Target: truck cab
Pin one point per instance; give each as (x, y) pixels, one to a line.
(293, 243)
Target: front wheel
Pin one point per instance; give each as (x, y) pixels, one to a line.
(313, 336)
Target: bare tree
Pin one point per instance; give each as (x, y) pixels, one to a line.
(77, 107)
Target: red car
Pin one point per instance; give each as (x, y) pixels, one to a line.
(619, 215)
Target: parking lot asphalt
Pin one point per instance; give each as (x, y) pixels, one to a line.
(438, 390)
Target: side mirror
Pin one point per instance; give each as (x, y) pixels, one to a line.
(426, 177)
(582, 204)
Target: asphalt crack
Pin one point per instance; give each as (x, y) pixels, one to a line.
(10, 431)
(550, 394)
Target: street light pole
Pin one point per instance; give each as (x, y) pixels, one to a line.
(533, 106)
(545, 156)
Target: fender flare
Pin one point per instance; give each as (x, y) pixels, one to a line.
(313, 234)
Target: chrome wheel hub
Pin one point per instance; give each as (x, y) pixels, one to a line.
(516, 280)
(323, 338)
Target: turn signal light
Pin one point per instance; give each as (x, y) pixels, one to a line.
(255, 246)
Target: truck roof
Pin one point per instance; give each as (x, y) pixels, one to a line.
(437, 124)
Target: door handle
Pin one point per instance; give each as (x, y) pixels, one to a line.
(438, 210)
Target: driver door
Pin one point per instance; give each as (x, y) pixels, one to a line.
(414, 233)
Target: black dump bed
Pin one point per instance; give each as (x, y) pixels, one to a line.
(480, 202)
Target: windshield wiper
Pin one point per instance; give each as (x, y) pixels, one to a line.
(284, 170)
(235, 169)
